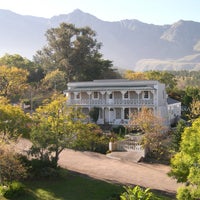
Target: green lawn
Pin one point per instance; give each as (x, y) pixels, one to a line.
(72, 187)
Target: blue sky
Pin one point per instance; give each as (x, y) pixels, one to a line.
(149, 11)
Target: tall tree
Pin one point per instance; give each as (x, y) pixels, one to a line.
(56, 127)
(75, 51)
(177, 134)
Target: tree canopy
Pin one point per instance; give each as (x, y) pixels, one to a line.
(74, 51)
(16, 60)
(162, 76)
(54, 80)
(185, 165)
(13, 122)
(55, 127)
(13, 81)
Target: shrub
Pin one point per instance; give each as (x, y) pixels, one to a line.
(184, 193)
(157, 146)
(11, 166)
(13, 190)
(119, 129)
(40, 169)
(92, 140)
(137, 193)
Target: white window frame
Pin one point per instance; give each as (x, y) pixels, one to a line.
(95, 95)
(144, 94)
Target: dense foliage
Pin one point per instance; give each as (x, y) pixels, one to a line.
(177, 135)
(185, 164)
(35, 73)
(75, 52)
(163, 76)
(56, 127)
(13, 82)
(13, 122)
(183, 86)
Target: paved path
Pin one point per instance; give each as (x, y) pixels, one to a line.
(99, 166)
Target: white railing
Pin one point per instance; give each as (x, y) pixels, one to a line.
(95, 102)
(128, 145)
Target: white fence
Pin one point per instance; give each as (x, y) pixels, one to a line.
(126, 145)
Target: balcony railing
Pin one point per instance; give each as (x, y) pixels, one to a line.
(111, 102)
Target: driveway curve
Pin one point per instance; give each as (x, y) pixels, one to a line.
(98, 166)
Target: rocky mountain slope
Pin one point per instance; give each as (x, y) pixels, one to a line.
(130, 44)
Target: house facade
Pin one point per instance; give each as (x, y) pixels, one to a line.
(116, 99)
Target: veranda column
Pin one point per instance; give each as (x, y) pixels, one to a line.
(103, 99)
(122, 113)
(109, 115)
(89, 94)
(108, 100)
(103, 115)
(138, 104)
(103, 103)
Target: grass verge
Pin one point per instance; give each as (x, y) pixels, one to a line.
(72, 186)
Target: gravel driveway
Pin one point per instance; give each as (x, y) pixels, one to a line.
(99, 166)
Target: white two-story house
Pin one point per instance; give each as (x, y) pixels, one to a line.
(118, 98)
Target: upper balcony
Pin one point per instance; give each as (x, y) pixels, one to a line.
(109, 102)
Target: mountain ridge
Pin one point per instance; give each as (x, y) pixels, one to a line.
(127, 42)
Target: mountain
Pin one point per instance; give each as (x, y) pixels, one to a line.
(130, 44)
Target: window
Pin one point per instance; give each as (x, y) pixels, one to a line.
(126, 113)
(95, 95)
(77, 96)
(146, 94)
(126, 95)
(110, 96)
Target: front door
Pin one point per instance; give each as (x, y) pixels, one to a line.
(109, 115)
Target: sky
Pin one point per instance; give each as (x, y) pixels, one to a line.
(157, 12)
